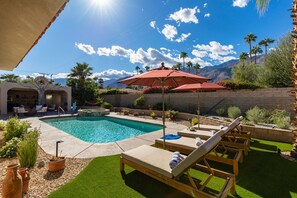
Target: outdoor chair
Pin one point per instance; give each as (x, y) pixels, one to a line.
(154, 162)
(42, 111)
(231, 139)
(220, 153)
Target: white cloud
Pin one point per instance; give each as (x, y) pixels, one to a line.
(215, 51)
(205, 5)
(185, 15)
(169, 31)
(182, 38)
(207, 15)
(153, 24)
(240, 3)
(112, 74)
(85, 48)
(114, 51)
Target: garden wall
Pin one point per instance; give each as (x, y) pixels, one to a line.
(272, 98)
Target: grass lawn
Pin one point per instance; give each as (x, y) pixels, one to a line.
(263, 174)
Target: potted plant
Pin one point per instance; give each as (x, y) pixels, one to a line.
(171, 114)
(56, 163)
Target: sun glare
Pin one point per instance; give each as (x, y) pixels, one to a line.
(104, 7)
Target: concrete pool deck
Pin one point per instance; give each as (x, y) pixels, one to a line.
(75, 148)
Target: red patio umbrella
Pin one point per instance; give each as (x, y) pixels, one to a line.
(163, 76)
(206, 86)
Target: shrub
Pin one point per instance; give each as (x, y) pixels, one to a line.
(125, 111)
(153, 115)
(283, 122)
(150, 90)
(9, 150)
(107, 105)
(27, 149)
(234, 112)
(2, 126)
(15, 128)
(171, 114)
(257, 114)
(281, 118)
(136, 114)
(238, 85)
(158, 106)
(194, 121)
(139, 102)
(114, 92)
(221, 111)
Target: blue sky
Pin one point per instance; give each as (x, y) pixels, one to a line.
(113, 36)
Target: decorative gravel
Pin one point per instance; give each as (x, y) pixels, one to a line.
(43, 182)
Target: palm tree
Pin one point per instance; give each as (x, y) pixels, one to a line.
(147, 68)
(197, 67)
(10, 78)
(243, 56)
(178, 66)
(81, 71)
(256, 50)
(265, 42)
(249, 39)
(183, 55)
(189, 66)
(137, 68)
(101, 82)
(140, 72)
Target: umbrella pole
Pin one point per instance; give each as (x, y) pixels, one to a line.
(198, 109)
(163, 113)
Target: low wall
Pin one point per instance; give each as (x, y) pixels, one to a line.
(265, 133)
(272, 98)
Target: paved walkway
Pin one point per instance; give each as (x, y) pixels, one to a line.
(76, 148)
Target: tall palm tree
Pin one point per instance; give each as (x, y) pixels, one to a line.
(249, 39)
(10, 78)
(256, 50)
(140, 72)
(81, 71)
(147, 68)
(137, 68)
(196, 67)
(101, 82)
(189, 66)
(265, 42)
(243, 56)
(183, 55)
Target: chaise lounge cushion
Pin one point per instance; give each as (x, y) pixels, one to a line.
(152, 158)
(197, 133)
(185, 142)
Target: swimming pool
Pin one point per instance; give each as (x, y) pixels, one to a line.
(101, 129)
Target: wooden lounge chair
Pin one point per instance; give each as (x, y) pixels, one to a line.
(231, 139)
(220, 153)
(154, 162)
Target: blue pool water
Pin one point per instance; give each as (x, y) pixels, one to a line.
(101, 129)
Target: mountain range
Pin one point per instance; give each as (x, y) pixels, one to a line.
(215, 73)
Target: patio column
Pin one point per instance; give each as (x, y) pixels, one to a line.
(69, 98)
(3, 94)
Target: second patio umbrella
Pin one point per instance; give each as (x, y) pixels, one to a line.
(163, 76)
(206, 86)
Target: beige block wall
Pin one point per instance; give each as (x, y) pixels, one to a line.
(209, 101)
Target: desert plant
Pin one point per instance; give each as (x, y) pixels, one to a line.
(257, 115)
(283, 122)
(171, 114)
(15, 128)
(221, 111)
(233, 112)
(125, 111)
(136, 114)
(9, 149)
(281, 118)
(27, 149)
(247, 122)
(139, 102)
(153, 115)
(194, 121)
(2, 126)
(107, 105)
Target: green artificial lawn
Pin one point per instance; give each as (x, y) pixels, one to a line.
(263, 174)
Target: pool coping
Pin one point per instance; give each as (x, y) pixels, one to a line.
(73, 147)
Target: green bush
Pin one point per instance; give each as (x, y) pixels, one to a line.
(15, 128)
(158, 106)
(194, 121)
(221, 111)
(234, 112)
(125, 111)
(171, 114)
(139, 102)
(257, 115)
(2, 126)
(107, 105)
(9, 149)
(283, 122)
(114, 92)
(153, 115)
(281, 118)
(27, 149)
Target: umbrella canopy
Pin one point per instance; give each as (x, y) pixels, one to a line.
(206, 86)
(163, 76)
